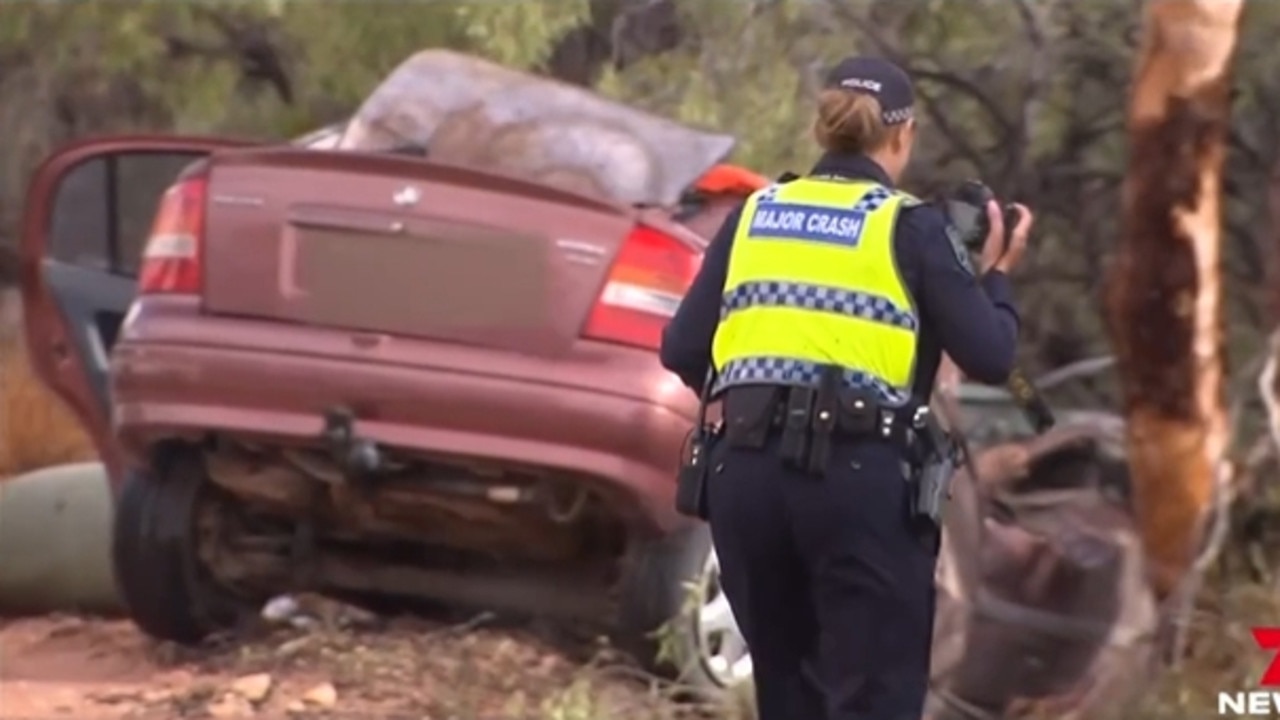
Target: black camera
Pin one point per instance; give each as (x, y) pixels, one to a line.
(966, 208)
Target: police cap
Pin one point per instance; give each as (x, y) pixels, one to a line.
(881, 78)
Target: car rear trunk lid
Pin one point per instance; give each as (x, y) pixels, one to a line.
(396, 246)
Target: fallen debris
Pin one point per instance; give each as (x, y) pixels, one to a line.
(311, 611)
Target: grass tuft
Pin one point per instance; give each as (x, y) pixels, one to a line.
(36, 429)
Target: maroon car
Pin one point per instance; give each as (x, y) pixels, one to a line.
(419, 363)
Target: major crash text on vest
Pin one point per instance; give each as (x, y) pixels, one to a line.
(807, 222)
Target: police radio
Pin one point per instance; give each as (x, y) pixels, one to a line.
(695, 464)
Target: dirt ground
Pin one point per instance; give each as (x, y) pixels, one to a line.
(90, 669)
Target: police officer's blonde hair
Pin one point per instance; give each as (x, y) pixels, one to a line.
(850, 122)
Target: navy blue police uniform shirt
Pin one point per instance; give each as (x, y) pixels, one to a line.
(974, 321)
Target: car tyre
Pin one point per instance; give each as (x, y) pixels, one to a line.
(674, 617)
(167, 590)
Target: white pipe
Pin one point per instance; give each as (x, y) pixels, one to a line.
(55, 542)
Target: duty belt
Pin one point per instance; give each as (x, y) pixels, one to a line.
(810, 418)
(889, 424)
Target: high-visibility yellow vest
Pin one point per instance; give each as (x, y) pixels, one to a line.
(813, 281)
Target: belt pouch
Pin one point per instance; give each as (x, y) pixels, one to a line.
(795, 425)
(858, 412)
(748, 415)
(826, 409)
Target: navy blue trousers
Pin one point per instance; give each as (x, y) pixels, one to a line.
(830, 581)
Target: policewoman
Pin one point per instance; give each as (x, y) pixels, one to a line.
(823, 306)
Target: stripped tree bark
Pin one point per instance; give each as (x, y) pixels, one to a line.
(1164, 289)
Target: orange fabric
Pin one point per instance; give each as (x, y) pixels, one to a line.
(730, 179)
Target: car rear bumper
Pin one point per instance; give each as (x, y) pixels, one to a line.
(175, 373)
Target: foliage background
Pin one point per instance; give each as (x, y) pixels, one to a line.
(1028, 95)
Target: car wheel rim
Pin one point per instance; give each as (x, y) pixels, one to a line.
(721, 648)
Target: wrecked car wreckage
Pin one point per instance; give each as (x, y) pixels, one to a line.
(1043, 598)
(267, 433)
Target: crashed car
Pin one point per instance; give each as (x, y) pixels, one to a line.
(413, 356)
(1044, 608)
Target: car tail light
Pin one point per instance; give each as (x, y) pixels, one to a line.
(649, 278)
(171, 258)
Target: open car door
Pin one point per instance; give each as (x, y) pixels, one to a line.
(89, 210)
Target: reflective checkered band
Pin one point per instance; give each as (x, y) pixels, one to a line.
(789, 371)
(895, 117)
(872, 201)
(874, 198)
(779, 293)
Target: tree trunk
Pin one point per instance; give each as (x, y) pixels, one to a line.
(1164, 295)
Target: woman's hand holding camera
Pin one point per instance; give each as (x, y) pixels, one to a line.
(996, 255)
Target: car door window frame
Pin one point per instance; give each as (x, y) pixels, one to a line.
(99, 244)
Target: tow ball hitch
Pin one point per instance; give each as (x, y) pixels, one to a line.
(359, 459)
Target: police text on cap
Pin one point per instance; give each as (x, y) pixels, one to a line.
(862, 84)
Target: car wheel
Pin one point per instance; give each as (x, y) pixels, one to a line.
(675, 616)
(167, 590)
